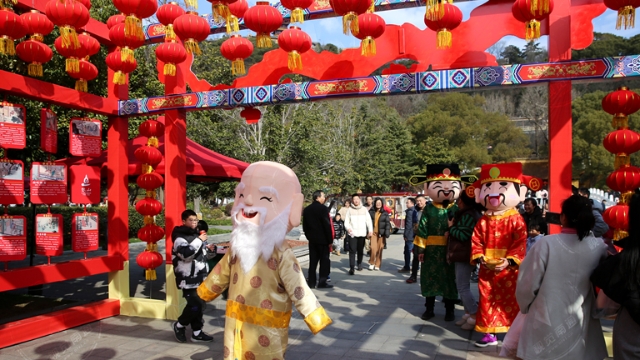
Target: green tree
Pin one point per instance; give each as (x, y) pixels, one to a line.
(511, 55)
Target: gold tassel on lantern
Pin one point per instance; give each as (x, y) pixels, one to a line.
(237, 67)
(540, 6)
(133, 27)
(169, 33)
(153, 141)
(621, 160)
(297, 15)
(150, 194)
(220, 12)
(619, 234)
(127, 55)
(626, 18)
(81, 85)
(295, 61)
(263, 40)
(368, 46)
(372, 7)
(72, 65)
(150, 274)
(35, 69)
(7, 47)
(625, 198)
(435, 9)
(350, 22)
(152, 247)
(620, 121)
(191, 3)
(146, 169)
(69, 38)
(444, 39)
(192, 47)
(148, 220)
(37, 37)
(232, 24)
(169, 69)
(119, 78)
(533, 30)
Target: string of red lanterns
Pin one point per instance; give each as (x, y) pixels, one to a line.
(68, 15)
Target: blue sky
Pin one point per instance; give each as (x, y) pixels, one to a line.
(330, 30)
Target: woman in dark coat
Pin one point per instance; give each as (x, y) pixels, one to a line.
(381, 231)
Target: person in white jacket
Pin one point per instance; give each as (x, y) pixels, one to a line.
(358, 224)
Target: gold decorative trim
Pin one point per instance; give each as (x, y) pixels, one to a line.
(436, 240)
(516, 260)
(317, 320)
(505, 214)
(495, 253)
(258, 316)
(497, 329)
(205, 294)
(475, 257)
(420, 241)
(501, 178)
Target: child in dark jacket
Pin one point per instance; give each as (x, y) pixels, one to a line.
(339, 233)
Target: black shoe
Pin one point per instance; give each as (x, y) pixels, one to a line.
(202, 337)
(359, 267)
(427, 315)
(351, 272)
(312, 285)
(179, 333)
(449, 316)
(385, 247)
(325, 286)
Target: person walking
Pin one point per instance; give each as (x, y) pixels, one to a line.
(420, 203)
(410, 220)
(555, 292)
(381, 231)
(316, 224)
(359, 226)
(338, 233)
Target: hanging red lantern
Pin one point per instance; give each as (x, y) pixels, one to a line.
(521, 10)
(236, 49)
(72, 55)
(114, 20)
(626, 12)
(149, 260)
(622, 143)
(263, 19)
(171, 53)
(167, 14)
(220, 9)
(151, 128)
(122, 68)
(37, 24)
(450, 19)
(251, 115)
(192, 29)
(296, 42)
(127, 44)
(35, 54)
(86, 72)
(150, 181)
(68, 15)
(617, 217)
(621, 103)
(135, 10)
(149, 207)
(89, 44)
(372, 26)
(11, 29)
(297, 8)
(148, 155)
(624, 179)
(150, 234)
(236, 11)
(349, 10)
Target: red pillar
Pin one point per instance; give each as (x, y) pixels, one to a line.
(560, 136)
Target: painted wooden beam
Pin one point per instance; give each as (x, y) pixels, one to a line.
(464, 79)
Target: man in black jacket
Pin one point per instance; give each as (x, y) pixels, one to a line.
(316, 223)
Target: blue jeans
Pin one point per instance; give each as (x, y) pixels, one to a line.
(408, 249)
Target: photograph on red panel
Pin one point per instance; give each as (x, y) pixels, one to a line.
(86, 137)
(12, 227)
(84, 236)
(11, 182)
(49, 234)
(13, 133)
(48, 131)
(47, 224)
(87, 222)
(48, 183)
(13, 238)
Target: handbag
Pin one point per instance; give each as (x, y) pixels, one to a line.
(458, 251)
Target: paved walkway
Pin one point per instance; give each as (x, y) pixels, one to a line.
(375, 316)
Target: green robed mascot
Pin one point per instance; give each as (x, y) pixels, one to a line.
(437, 277)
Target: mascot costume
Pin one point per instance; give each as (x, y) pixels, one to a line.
(499, 243)
(260, 271)
(437, 277)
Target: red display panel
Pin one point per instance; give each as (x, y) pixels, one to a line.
(13, 133)
(13, 238)
(85, 137)
(48, 131)
(11, 182)
(85, 184)
(84, 235)
(48, 183)
(49, 230)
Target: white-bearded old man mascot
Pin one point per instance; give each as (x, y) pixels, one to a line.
(260, 270)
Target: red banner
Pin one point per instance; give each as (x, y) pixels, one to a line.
(85, 184)
(13, 133)
(48, 131)
(13, 238)
(11, 182)
(48, 183)
(341, 87)
(49, 230)
(171, 101)
(84, 232)
(85, 137)
(582, 69)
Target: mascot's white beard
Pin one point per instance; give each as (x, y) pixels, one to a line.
(249, 241)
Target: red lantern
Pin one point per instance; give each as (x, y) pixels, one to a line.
(617, 217)
(91, 45)
(37, 24)
(149, 260)
(149, 207)
(150, 181)
(35, 53)
(167, 14)
(621, 103)
(236, 49)
(127, 44)
(624, 179)
(296, 42)
(251, 115)
(11, 28)
(114, 20)
(72, 55)
(349, 10)
(220, 9)
(263, 19)
(171, 53)
(521, 10)
(150, 233)
(372, 27)
(236, 11)
(151, 128)
(87, 72)
(623, 141)
(297, 8)
(450, 19)
(192, 29)
(134, 11)
(68, 15)
(86, 3)
(122, 68)
(148, 155)
(626, 12)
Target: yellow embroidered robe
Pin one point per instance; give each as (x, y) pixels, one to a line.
(259, 304)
